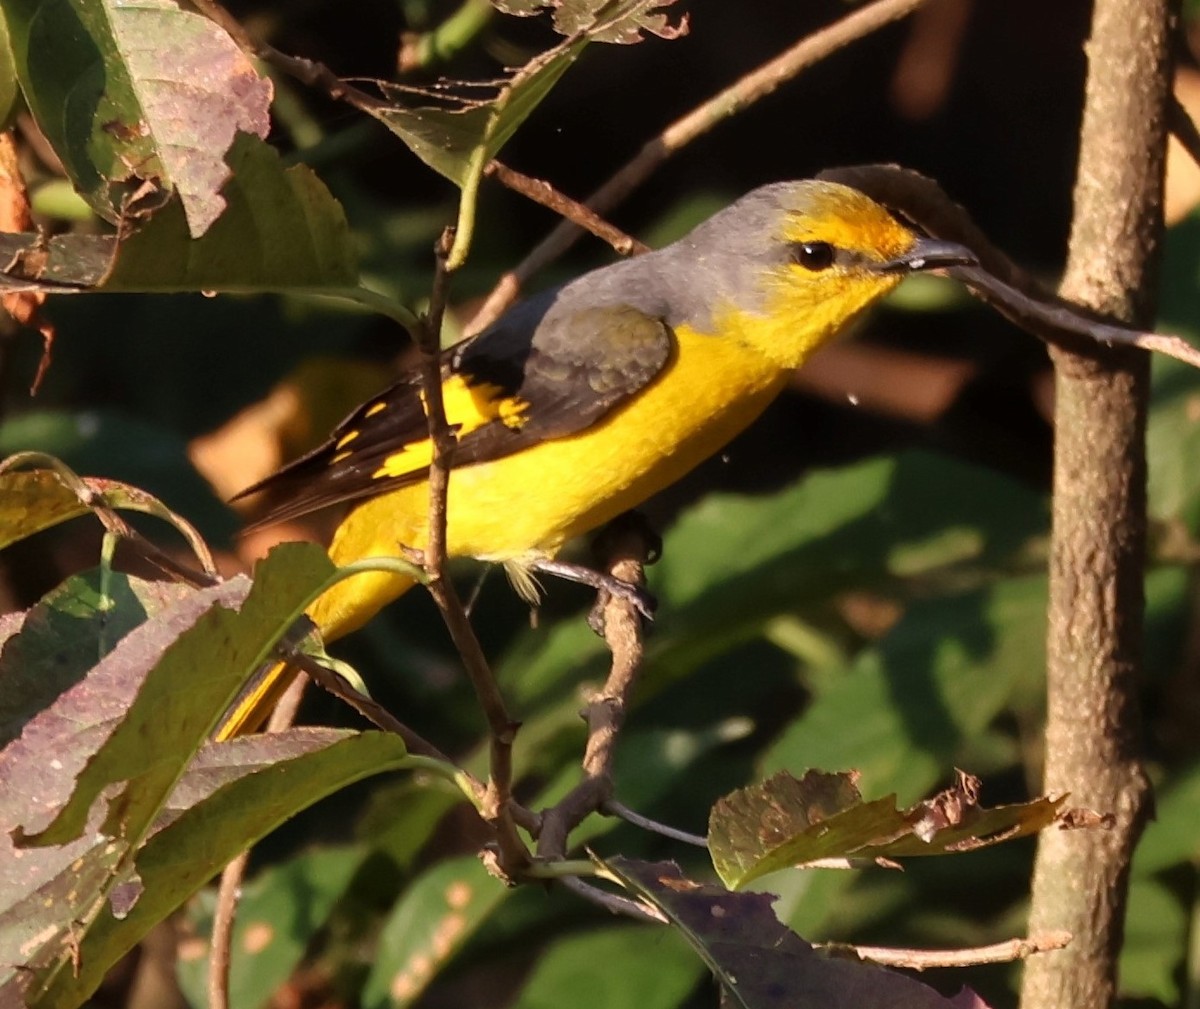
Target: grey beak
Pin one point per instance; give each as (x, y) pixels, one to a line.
(930, 254)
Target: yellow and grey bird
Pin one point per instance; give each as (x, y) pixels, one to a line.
(583, 401)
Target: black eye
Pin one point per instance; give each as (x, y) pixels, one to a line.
(813, 255)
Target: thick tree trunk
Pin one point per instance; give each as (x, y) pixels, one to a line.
(1096, 568)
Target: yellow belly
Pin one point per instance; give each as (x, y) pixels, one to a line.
(528, 504)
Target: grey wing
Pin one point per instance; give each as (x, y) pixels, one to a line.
(566, 372)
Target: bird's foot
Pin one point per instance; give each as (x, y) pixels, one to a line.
(606, 585)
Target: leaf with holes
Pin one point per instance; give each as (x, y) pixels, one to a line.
(139, 100)
(787, 821)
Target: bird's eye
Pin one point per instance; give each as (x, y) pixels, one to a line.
(813, 255)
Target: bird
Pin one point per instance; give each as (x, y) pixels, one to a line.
(584, 400)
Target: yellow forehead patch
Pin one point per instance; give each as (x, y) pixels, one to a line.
(849, 220)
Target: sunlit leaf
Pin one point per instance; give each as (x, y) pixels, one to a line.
(282, 231)
(137, 99)
(788, 821)
(623, 21)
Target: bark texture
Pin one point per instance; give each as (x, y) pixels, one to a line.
(1097, 557)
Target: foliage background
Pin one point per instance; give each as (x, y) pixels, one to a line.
(883, 613)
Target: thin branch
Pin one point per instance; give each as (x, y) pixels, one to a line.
(612, 902)
(614, 808)
(221, 943)
(1183, 128)
(513, 856)
(749, 89)
(605, 710)
(328, 679)
(230, 887)
(924, 959)
(540, 191)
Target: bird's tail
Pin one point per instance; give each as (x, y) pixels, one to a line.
(253, 706)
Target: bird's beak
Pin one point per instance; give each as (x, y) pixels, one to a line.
(930, 254)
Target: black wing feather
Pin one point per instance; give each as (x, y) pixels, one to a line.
(568, 368)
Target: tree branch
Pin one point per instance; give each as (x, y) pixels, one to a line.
(1099, 527)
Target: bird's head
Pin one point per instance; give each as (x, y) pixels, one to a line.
(791, 264)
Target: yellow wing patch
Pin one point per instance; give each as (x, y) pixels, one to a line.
(469, 406)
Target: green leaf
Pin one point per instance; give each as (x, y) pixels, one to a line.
(657, 970)
(201, 644)
(66, 634)
(925, 694)
(234, 794)
(282, 231)
(33, 500)
(436, 915)
(457, 139)
(131, 94)
(460, 134)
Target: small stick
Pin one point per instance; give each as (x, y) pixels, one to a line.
(923, 959)
(615, 808)
(578, 213)
(229, 890)
(612, 902)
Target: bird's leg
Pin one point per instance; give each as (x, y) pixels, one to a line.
(605, 584)
(635, 595)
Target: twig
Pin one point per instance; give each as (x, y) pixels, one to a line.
(615, 808)
(512, 855)
(1183, 128)
(578, 213)
(605, 711)
(221, 943)
(749, 89)
(229, 889)
(612, 902)
(923, 959)
(328, 679)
